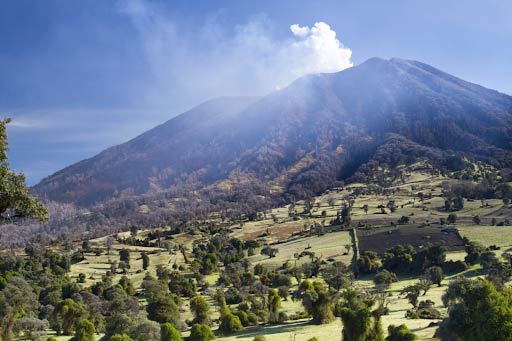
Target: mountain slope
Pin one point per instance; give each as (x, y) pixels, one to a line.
(302, 138)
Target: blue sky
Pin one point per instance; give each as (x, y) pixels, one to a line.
(80, 76)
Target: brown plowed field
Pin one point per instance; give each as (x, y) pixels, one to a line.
(380, 240)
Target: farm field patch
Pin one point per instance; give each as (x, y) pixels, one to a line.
(380, 240)
(488, 235)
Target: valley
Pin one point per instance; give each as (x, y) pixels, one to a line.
(255, 170)
(299, 240)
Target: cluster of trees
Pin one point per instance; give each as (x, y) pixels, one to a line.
(403, 259)
(488, 188)
(477, 310)
(220, 249)
(497, 271)
(36, 293)
(396, 150)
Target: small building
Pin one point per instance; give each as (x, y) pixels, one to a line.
(451, 228)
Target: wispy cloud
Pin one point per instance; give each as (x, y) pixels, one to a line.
(28, 123)
(94, 126)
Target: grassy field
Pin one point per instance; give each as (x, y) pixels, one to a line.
(96, 266)
(330, 245)
(292, 234)
(300, 330)
(489, 235)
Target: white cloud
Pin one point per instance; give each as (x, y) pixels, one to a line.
(318, 50)
(300, 31)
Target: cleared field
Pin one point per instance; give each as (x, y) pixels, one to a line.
(456, 255)
(94, 267)
(301, 330)
(326, 246)
(488, 235)
(380, 240)
(276, 232)
(398, 307)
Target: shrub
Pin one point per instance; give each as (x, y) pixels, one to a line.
(31, 327)
(230, 323)
(453, 267)
(124, 255)
(253, 318)
(435, 274)
(400, 333)
(369, 262)
(201, 332)
(280, 280)
(232, 296)
(425, 313)
(283, 291)
(452, 218)
(259, 269)
(200, 309)
(318, 304)
(144, 329)
(426, 304)
(403, 220)
(163, 309)
(243, 306)
(180, 285)
(282, 317)
(145, 260)
(84, 331)
(244, 318)
(263, 315)
(169, 333)
(384, 278)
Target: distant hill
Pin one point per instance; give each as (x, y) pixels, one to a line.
(301, 139)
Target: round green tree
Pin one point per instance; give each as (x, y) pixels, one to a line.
(200, 309)
(201, 332)
(84, 331)
(169, 333)
(163, 309)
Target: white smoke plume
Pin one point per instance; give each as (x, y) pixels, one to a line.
(192, 64)
(318, 50)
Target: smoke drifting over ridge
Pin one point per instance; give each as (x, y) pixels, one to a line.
(212, 61)
(159, 64)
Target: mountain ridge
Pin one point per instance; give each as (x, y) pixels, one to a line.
(326, 117)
